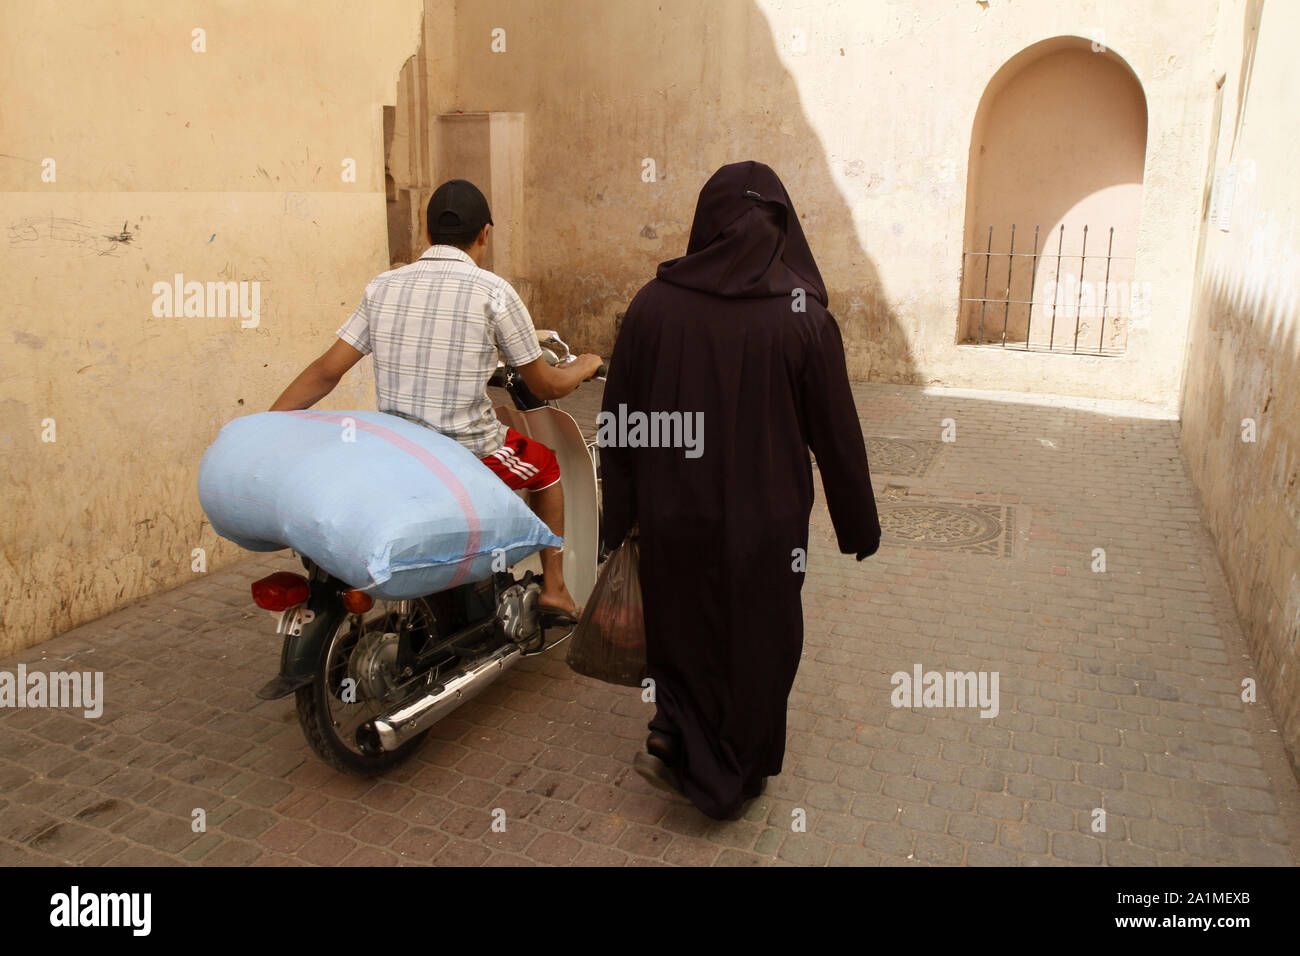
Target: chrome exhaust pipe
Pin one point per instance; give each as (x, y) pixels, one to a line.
(421, 711)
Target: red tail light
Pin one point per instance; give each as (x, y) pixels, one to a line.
(280, 591)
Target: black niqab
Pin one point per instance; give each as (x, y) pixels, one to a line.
(746, 241)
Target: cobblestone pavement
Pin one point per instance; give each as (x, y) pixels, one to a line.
(1119, 690)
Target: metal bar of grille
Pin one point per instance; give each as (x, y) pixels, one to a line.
(1105, 296)
(1032, 276)
(1078, 302)
(1006, 313)
(986, 283)
(1056, 290)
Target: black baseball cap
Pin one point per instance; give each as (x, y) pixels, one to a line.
(457, 210)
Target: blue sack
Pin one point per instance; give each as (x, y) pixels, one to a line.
(384, 504)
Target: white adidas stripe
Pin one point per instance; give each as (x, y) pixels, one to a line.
(508, 465)
(521, 469)
(529, 470)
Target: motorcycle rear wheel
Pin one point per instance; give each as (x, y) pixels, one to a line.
(320, 702)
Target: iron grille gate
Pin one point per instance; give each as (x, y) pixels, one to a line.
(988, 319)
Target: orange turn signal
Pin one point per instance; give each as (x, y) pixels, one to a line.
(357, 602)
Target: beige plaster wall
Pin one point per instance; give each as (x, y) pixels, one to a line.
(866, 111)
(1243, 359)
(218, 165)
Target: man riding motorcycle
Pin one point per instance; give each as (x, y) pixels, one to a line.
(434, 328)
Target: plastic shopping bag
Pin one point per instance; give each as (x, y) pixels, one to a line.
(609, 641)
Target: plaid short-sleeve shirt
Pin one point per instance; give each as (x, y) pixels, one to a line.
(434, 328)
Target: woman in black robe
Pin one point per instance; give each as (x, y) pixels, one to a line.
(737, 329)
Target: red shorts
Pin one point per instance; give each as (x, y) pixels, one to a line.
(523, 463)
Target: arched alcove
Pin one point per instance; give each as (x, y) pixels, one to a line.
(1059, 140)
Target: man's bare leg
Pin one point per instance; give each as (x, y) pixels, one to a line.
(549, 505)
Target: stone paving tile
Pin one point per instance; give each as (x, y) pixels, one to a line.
(1119, 691)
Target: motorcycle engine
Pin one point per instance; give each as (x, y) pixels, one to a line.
(517, 612)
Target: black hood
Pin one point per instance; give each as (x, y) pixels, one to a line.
(746, 241)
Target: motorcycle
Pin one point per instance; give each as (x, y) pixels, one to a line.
(370, 678)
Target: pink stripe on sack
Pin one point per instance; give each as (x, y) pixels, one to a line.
(441, 471)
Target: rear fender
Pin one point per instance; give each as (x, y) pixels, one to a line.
(300, 654)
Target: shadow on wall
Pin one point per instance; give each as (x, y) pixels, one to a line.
(1249, 44)
(1059, 139)
(1243, 377)
(608, 89)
